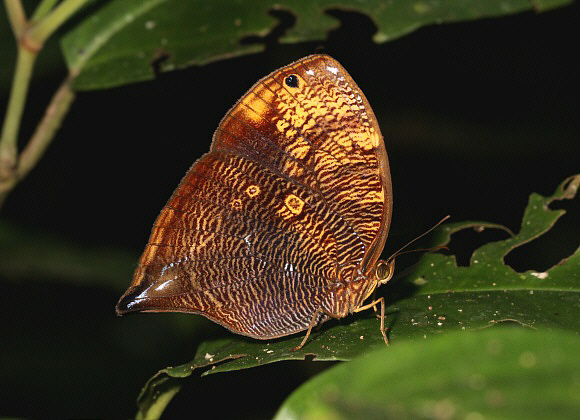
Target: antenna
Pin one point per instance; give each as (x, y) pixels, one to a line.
(400, 250)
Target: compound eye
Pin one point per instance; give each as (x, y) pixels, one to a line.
(384, 270)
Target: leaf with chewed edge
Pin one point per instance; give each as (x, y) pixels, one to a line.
(437, 296)
(127, 41)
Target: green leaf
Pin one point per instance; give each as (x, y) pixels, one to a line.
(436, 296)
(499, 373)
(487, 272)
(128, 40)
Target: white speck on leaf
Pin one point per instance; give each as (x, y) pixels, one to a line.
(419, 281)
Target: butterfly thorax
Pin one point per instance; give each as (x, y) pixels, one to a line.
(355, 286)
(351, 290)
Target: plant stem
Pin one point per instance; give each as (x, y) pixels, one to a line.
(42, 29)
(16, 16)
(30, 36)
(43, 9)
(9, 137)
(29, 43)
(44, 133)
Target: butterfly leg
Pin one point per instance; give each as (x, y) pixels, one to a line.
(313, 323)
(373, 305)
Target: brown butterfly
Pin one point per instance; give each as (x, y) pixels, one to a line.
(280, 226)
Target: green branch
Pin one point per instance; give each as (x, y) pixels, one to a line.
(43, 9)
(39, 32)
(31, 36)
(12, 120)
(16, 16)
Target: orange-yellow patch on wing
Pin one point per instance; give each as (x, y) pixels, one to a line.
(253, 106)
(366, 141)
(299, 148)
(281, 126)
(373, 197)
(236, 204)
(252, 191)
(292, 206)
(344, 140)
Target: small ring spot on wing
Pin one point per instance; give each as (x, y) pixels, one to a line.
(236, 204)
(294, 204)
(252, 191)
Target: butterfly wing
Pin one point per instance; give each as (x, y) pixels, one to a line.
(295, 187)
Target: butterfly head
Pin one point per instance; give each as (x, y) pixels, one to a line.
(384, 270)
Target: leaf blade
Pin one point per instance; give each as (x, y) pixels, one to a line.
(505, 372)
(130, 40)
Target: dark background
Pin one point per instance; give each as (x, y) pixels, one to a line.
(476, 116)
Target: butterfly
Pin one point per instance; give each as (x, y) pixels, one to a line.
(280, 226)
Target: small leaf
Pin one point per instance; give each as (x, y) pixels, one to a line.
(127, 40)
(163, 386)
(499, 373)
(488, 271)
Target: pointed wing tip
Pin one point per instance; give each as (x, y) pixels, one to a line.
(131, 301)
